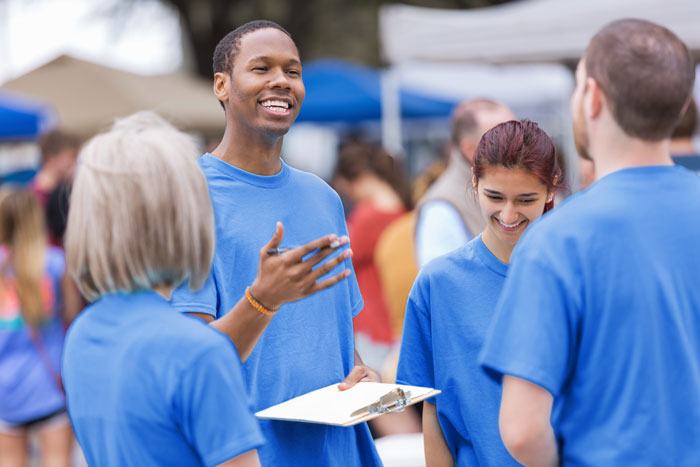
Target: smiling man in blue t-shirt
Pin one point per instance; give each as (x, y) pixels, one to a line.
(597, 331)
(307, 344)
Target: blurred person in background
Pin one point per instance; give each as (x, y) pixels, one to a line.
(448, 215)
(59, 152)
(292, 339)
(33, 316)
(425, 179)
(56, 208)
(682, 146)
(596, 331)
(516, 175)
(145, 384)
(378, 188)
(395, 260)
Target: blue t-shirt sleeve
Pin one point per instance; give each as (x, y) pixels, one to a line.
(204, 300)
(416, 355)
(213, 410)
(533, 332)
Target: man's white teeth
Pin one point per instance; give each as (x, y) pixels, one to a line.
(282, 104)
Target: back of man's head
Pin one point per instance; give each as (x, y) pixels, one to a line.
(473, 118)
(646, 73)
(55, 142)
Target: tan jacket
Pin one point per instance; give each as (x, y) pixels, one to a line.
(455, 187)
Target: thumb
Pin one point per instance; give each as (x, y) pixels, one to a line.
(355, 375)
(276, 237)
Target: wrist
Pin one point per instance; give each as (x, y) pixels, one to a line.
(263, 298)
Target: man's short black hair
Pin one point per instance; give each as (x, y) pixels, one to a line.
(227, 49)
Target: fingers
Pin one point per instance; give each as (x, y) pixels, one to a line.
(323, 253)
(328, 242)
(354, 377)
(329, 282)
(276, 238)
(329, 265)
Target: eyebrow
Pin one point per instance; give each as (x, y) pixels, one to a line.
(521, 195)
(265, 58)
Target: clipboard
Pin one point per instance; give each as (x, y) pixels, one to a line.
(360, 403)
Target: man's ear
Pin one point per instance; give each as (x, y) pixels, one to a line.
(596, 98)
(474, 183)
(221, 86)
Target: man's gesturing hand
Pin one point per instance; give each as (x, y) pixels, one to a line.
(287, 277)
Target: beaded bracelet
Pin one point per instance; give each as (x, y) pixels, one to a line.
(257, 305)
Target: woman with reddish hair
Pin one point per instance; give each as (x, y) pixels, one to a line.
(454, 296)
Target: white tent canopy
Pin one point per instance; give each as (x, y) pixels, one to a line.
(524, 31)
(539, 92)
(515, 85)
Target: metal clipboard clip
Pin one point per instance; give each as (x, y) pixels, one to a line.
(393, 401)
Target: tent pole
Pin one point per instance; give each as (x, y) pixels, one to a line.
(391, 113)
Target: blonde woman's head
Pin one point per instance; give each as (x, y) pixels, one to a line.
(140, 215)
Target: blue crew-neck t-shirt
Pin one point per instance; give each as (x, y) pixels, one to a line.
(447, 316)
(602, 309)
(28, 385)
(309, 343)
(147, 385)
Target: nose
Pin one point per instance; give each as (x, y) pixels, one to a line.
(279, 79)
(509, 214)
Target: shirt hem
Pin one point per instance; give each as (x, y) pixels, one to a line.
(194, 308)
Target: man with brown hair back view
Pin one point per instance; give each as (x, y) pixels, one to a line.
(596, 333)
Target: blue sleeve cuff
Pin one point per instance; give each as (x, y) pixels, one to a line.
(497, 369)
(358, 307)
(195, 308)
(234, 449)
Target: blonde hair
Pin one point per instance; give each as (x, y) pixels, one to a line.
(23, 231)
(140, 214)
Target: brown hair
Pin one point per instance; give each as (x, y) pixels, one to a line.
(520, 145)
(646, 73)
(357, 158)
(56, 141)
(22, 230)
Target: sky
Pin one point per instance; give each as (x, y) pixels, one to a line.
(142, 37)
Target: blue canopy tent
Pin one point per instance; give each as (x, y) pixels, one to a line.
(21, 122)
(22, 119)
(339, 91)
